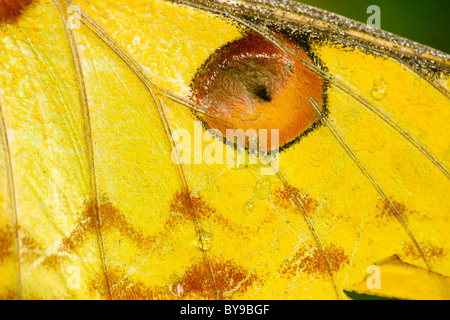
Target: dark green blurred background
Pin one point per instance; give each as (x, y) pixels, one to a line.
(424, 21)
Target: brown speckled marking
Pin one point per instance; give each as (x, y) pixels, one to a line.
(194, 283)
(7, 241)
(386, 211)
(186, 204)
(181, 202)
(30, 249)
(8, 295)
(430, 251)
(125, 288)
(283, 198)
(112, 219)
(228, 278)
(314, 264)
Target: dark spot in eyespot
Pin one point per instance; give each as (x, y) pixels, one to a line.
(261, 92)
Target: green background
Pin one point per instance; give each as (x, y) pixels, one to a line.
(423, 21)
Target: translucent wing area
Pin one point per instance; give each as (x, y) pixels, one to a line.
(45, 156)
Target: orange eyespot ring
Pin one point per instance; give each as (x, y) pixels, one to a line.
(10, 10)
(252, 84)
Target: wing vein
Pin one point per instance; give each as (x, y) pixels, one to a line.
(89, 144)
(13, 198)
(168, 130)
(340, 85)
(148, 82)
(438, 86)
(371, 179)
(299, 204)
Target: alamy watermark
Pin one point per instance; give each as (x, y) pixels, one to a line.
(73, 17)
(375, 16)
(74, 280)
(374, 280)
(240, 147)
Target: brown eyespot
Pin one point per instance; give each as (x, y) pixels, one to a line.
(10, 10)
(253, 84)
